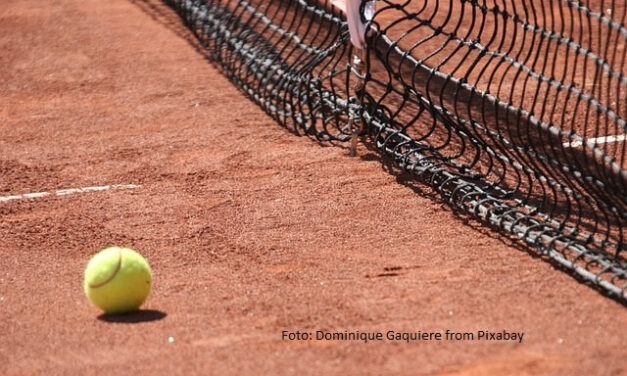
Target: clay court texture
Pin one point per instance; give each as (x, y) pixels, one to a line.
(108, 136)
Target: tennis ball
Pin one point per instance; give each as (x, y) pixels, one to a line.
(117, 280)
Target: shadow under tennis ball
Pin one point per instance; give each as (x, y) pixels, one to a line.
(143, 315)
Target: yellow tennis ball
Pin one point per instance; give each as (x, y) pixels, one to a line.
(117, 280)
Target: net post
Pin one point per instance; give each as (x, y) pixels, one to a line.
(355, 122)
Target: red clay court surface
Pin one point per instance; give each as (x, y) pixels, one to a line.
(249, 229)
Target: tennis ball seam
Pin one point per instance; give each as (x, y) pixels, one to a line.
(112, 276)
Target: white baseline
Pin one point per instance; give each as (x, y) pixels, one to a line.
(595, 141)
(69, 191)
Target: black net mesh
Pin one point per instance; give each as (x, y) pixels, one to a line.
(513, 110)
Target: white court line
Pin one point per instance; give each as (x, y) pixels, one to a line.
(70, 191)
(595, 141)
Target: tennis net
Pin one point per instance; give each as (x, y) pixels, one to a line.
(514, 111)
